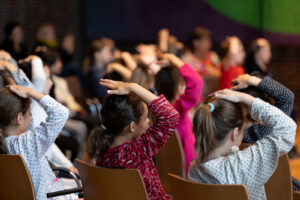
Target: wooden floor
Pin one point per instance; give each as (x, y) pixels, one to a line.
(295, 164)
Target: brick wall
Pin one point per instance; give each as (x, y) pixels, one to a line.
(64, 14)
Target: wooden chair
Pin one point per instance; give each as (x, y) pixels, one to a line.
(296, 196)
(279, 186)
(15, 181)
(183, 189)
(170, 160)
(111, 184)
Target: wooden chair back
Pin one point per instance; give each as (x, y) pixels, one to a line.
(170, 160)
(183, 189)
(15, 181)
(111, 184)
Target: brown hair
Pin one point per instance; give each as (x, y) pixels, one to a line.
(210, 128)
(10, 106)
(167, 81)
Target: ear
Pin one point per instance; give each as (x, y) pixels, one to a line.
(234, 134)
(132, 127)
(19, 118)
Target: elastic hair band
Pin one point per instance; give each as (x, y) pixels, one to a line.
(212, 107)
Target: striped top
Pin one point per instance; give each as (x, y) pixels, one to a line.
(138, 153)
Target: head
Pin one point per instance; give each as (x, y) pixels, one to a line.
(169, 82)
(257, 93)
(52, 60)
(14, 113)
(223, 127)
(46, 32)
(122, 115)
(233, 50)
(101, 52)
(200, 40)
(142, 76)
(14, 33)
(68, 42)
(262, 50)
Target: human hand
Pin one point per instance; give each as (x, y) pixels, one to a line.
(7, 66)
(234, 96)
(74, 170)
(4, 55)
(25, 92)
(243, 81)
(116, 87)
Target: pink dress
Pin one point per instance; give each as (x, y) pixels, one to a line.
(183, 104)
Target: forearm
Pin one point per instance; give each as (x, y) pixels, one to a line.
(124, 72)
(143, 93)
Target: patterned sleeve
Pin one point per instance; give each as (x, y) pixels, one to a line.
(258, 162)
(284, 100)
(156, 136)
(35, 143)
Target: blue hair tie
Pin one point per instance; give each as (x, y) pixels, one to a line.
(212, 107)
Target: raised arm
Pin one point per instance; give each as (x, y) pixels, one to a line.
(166, 117)
(38, 141)
(260, 160)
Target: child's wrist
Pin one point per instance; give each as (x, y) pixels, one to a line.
(254, 81)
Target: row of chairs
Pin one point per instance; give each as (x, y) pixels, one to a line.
(127, 184)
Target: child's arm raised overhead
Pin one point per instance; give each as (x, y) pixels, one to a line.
(167, 117)
(260, 160)
(193, 82)
(36, 142)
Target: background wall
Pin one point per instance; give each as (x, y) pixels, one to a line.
(132, 21)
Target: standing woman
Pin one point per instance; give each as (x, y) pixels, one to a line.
(13, 41)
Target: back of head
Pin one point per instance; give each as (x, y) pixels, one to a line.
(10, 106)
(198, 34)
(211, 128)
(167, 81)
(141, 76)
(117, 112)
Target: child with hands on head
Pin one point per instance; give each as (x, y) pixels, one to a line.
(219, 126)
(125, 139)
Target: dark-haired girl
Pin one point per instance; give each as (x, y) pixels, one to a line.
(219, 128)
(124, 139)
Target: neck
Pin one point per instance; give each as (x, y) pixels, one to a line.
(121, 139)
(199, 53)
(261, 64)
(227, 62)
(12, 130)
(222, 150)
(99, 64)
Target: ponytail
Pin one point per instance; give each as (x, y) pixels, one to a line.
(205, 131)
(213, 122)
(3, 147)
(99, 142)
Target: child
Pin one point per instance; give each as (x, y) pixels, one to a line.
(124, 139)
(231, 67)
(168, 81)
(219, 128)
(32, 145)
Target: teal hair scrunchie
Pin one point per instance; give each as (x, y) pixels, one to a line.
(212, 107)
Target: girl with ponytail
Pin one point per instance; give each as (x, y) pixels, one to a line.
(124, 139)
(219, 126)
